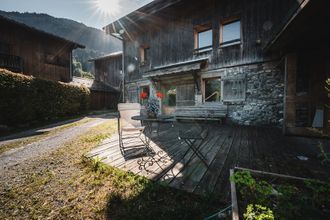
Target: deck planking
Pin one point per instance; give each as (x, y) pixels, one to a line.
(261, 148)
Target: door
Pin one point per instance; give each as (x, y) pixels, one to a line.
(185, 95)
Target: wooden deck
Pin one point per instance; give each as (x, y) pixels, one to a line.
(225, 147)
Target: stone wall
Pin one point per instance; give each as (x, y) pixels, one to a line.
(264, 96)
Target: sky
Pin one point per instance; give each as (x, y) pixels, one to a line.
(93, 13)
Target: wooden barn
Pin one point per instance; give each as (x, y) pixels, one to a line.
(259, 62)
(27, 50)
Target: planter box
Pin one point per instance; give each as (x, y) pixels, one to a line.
(280, 180)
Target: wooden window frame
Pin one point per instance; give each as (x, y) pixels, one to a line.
(204, 87)
(143, 59)
(199, 29)
(235, 41)
(233, 79)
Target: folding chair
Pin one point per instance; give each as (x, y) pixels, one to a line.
(130, 130)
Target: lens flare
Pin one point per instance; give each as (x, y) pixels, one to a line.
(108, 7)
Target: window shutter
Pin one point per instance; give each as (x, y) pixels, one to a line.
(233, 89)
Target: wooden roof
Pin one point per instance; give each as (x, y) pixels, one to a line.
(94, 85)
(306, 27)
(46, 34)
(142, 13)
(107, 56)
(175, 68)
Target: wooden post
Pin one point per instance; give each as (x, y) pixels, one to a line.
(233, 198)
(290, 91)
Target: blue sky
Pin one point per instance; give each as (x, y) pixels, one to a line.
(90, 12)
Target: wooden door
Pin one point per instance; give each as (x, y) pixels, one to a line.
(185, 95)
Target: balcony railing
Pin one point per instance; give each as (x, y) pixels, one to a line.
(11, 62)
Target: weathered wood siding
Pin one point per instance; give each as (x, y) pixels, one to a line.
(103, 100)
(170, 33)
(42, 56)
(108, 70)
(303, 100)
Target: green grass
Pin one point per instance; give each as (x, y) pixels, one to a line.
(66, 185)
(136, 197)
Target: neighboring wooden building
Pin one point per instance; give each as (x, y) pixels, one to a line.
(217, 53)
(106, 87)
(107, 69)
(27, 50)
(103, 96)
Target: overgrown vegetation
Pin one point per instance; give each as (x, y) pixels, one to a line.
(65, 185)
(26, 99)
(282, 199)
(258, 212)
(78, 70)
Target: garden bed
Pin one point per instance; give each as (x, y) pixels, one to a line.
(263, 195)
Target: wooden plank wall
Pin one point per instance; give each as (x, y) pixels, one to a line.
(103, 100)
(108, 70)
(34, 48)
(170, 34)
(316, 64)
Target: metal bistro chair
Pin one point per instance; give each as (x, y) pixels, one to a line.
(191, 137)
(129, 129)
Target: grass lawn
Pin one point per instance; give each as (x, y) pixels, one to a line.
(64, 184)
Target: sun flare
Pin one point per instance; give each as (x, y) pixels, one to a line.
(108, 7)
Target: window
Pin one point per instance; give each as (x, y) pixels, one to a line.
(230, 33)
(144, 54)
(203, 38)
(234, 89)
(170, 96)
(212, 90)
(144, 94)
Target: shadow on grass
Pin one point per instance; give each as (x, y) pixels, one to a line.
(158, 201)
(135, 197)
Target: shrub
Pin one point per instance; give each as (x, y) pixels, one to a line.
(26, 99)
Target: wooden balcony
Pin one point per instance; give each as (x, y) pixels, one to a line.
(11, 62)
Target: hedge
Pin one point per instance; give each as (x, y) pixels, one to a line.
(26, 99)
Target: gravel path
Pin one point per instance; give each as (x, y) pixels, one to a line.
(16, 156)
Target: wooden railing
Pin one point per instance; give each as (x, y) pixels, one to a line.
(213, 94)
(11, 62)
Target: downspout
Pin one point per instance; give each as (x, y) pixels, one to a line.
(122, 64)
(71, 74)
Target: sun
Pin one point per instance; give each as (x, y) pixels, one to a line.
(108, 7)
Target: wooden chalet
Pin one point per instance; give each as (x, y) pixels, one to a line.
(254, 62)
(27, 50)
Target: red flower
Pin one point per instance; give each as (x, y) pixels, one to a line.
(160, 95)
(143, 95)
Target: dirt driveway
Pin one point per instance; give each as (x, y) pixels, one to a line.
(36, 146)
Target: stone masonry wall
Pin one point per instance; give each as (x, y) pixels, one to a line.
(264, 96)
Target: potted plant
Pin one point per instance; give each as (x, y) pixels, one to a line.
(152, 107)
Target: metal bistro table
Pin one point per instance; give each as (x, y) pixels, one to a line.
(148, 121)
(153, 157)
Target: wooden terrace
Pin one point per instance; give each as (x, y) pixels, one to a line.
(261, 148)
